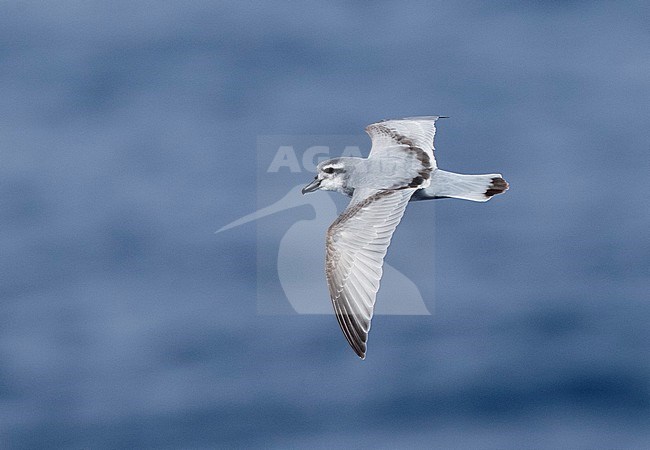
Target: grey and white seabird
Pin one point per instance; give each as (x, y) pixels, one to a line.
(401, 168)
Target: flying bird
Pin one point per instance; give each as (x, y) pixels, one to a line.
(401, 168)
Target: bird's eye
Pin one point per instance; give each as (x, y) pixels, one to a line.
(328, 170)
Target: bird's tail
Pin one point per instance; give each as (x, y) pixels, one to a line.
(478, 188)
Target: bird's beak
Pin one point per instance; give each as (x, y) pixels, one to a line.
(311, 187)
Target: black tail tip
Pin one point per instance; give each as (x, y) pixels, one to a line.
(498, 186)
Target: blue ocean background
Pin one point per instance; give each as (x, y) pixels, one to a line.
(128, 135)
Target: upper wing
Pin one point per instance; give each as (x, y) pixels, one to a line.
(412, 134)
(355, 248)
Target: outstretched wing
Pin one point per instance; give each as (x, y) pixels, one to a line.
(412, 135)
(356, 244)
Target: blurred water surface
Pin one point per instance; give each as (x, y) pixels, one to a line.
(128, 136)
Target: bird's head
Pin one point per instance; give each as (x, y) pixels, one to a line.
(331, 175)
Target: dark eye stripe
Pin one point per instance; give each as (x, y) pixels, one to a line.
(328, 170)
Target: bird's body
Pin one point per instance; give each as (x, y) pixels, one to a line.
(401, 167)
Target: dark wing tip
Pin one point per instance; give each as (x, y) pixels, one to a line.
(358, 346)
(355, 337)
(498, 186)
(361, 353)
(358, 343)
